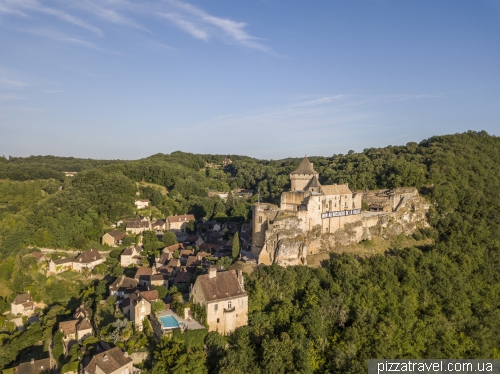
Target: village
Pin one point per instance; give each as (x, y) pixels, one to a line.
(179, 275)
(180, 288)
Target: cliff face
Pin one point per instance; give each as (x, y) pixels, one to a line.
(287, 245)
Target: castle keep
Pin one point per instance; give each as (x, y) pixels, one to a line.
(313, 217)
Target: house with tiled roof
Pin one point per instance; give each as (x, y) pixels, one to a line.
(22, 304)
(182, 277)
(38, 255)
(112, 361)
(172, 248)
(82, 312)
(113, 238)
(61, 265)
(171, 268)
(224, 296)
(76, 329)
(34, 367)
(136, 226)
(123, 286)
(131, 256)
(138, 306)
(159, 225)
(142, 275)
(141, 204)
(178, 223)
(87, 259)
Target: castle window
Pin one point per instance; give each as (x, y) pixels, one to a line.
(218, 319)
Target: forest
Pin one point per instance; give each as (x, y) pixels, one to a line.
(437, 301)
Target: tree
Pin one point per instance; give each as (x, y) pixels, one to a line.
(157, 306)
(162, 291)
(150, 241)
(169, 238)
(236, 246)
(190, 227)
(58, 349)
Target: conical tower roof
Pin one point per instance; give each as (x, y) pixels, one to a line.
(305, 167)
(314, 182)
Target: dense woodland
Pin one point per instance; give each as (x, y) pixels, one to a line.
(438, 301)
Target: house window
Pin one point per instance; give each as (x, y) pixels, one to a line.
(216, 307)
(229, 305)
(241, 302)
(260, 219)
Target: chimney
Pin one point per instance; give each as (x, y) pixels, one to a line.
(212, 272)
(125, 354)
(241, 280)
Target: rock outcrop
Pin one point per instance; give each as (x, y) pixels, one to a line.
(286, 244)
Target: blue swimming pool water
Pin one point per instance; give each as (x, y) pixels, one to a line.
(169, 322)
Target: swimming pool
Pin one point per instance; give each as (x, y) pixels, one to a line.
(169, 322)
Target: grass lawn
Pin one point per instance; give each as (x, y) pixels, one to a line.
(69, 274)
(163, 189)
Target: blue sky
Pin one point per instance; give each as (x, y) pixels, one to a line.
(265, 78)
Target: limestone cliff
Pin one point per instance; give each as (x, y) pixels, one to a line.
(286, 244)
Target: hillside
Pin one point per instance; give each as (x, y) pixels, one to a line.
(437, 300)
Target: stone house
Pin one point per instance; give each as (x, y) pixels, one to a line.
(182, 277)
(113, 361)
(34, 367)
(39, 256)
(178, 223)
(171, 268)
(82, 312)
(136, 226)
(142, 275)
(138, 306)
(113, 238)
(22, 304)
(123, 286)
(172, 248)
(131, 255)
(159, 225)
(141, 204)
(59, 266)
(87, 259)
(76, 329)
(224, 297)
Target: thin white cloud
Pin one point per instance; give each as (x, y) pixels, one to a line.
(8, 80)
(205, 23)
(17, 6)
(187, 26)
(188, 18)
(6, 9)
(9, 97)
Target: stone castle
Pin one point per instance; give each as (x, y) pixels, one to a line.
(314, 217)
